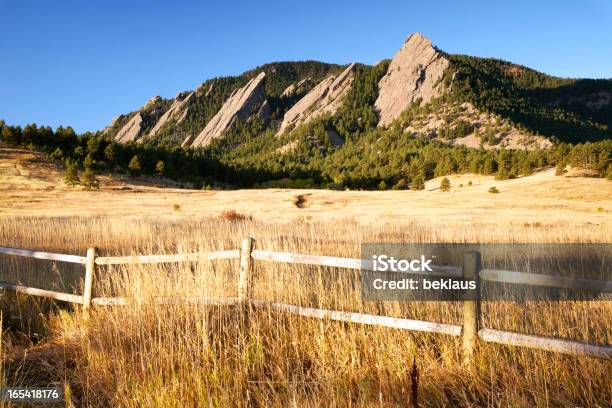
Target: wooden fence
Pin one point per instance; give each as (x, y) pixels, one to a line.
(471, 330)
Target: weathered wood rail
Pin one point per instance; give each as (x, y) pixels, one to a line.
(470, 332)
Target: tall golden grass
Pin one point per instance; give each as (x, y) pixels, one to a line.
(185, 355)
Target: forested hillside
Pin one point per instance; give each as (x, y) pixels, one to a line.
(570, 110)
(315, 124)
(382, 159)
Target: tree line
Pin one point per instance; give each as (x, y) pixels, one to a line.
(381, 159)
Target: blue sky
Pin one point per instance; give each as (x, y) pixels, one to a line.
(79, 63)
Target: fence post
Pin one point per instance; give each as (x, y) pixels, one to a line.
(90, 269)
(471, 307)
(246, 270)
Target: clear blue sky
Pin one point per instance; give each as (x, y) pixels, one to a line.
(78, 63)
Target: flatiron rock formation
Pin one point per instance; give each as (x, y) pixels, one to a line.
(242, 104)
(326, 97)
(414, 73)
(178, 111)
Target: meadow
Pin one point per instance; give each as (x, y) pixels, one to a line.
(188, 355)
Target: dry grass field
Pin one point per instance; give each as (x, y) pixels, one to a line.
(32, 186)
(185, 355)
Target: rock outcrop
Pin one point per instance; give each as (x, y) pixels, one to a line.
(135, 128)
(297, 88)
(131, 130)
(178, 111)
(414, 73)
(243, 103)
(326, 97)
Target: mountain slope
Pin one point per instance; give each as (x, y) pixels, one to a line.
(184, 119)
(477, 102)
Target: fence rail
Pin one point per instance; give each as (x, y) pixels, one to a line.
(66, 297)
(470, 331)
(173, 258)
(43, 255)
(536, 279)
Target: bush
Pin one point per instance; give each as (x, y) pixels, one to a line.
(71, 177)
(445, 184)
(134, 166)
(89, 178)
(418, 183)
(402, 184)
(231, 215)
(493, 190)
(57, 154)
(160, 167)
(560, 169)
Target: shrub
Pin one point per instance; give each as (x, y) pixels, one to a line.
(493, 190)
(401, 184)
(560, 169)
(445, 184)
(160, 167)
(71, 177)
(231, 215)
(134, 166)
(89, 178)
(57, 154)
(418, 183)
(176, 207)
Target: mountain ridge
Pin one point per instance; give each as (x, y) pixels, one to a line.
(419, 73)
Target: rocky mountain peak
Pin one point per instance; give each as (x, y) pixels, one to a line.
(414, 73)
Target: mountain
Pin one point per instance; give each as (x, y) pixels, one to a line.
(195, 118)
(422, 91)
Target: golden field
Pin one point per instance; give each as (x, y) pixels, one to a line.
(182, 355)
(32, 186)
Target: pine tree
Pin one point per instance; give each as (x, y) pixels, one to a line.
(71, 177)
(89, 161)
(160, 167)
(445, 184)
(418, 183)
(89, 178)
(92, 146)
(109, 153)
(134, 166)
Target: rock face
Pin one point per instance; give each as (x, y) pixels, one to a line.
(178, 111)
(298, 87)
(242, 104)
(326, 97)
(414, 73)
(135, 128)
(130, 131)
